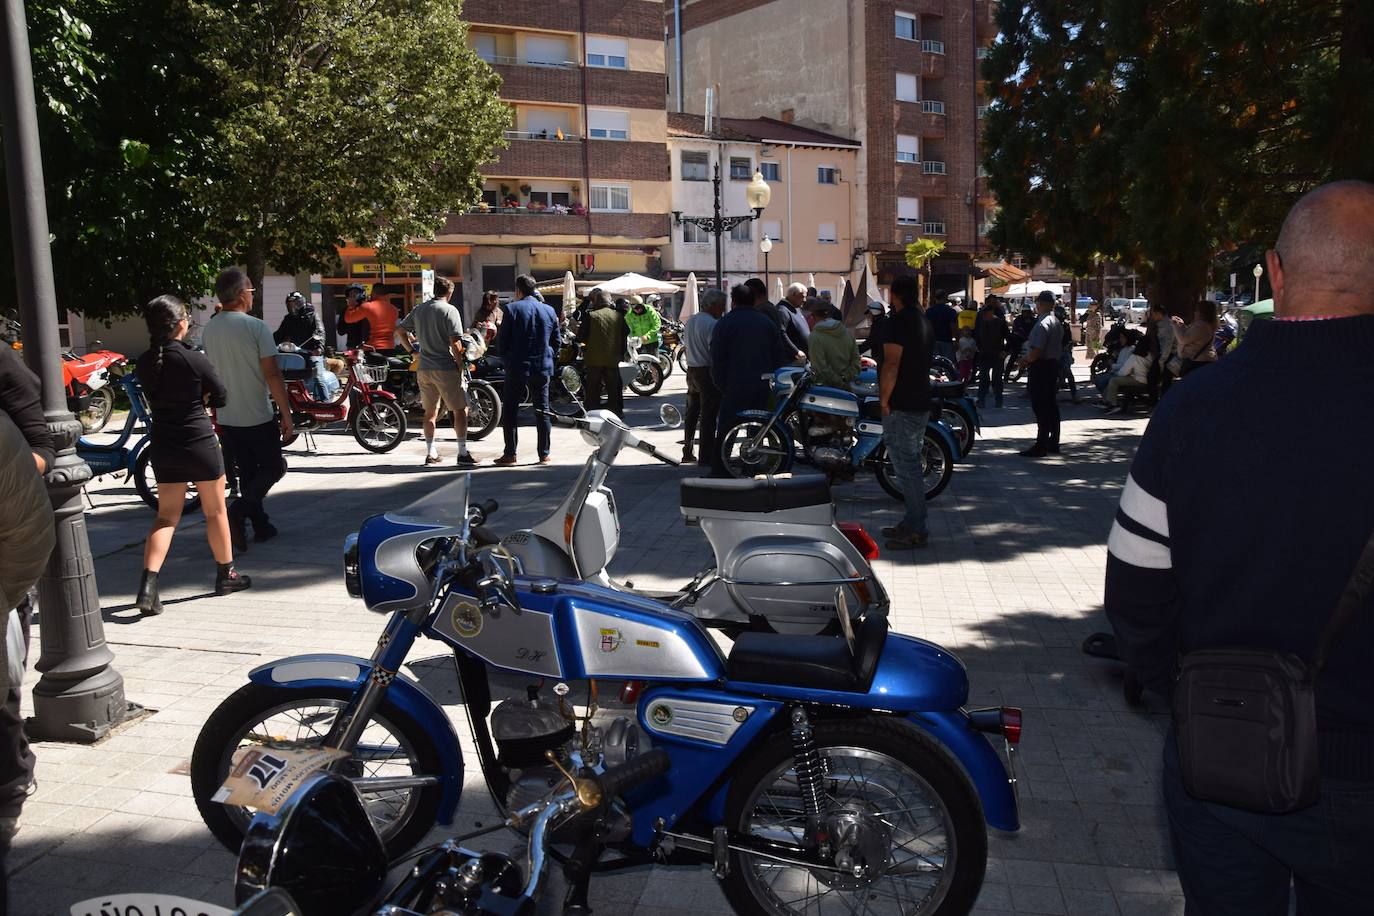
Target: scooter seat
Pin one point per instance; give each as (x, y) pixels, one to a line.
(765, 494)
(822, 662)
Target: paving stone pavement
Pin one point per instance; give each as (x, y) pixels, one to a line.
(1012, 582)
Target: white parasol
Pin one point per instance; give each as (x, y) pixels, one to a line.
(689, 299)
(569, 291)
(633, 284)
(780, 290)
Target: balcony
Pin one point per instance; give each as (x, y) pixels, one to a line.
(933, 228)
(930, 46)
(933, 167)
(932, 122)
(540, 83)
(544, 158)
(982, 111)
(930, 106)
(515, 222)
(985, 16)
(503, 61)
(931, 7)
(933, 62)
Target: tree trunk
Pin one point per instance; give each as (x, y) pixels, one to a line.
(255, 262)
(1177, 287)
(1350, 145)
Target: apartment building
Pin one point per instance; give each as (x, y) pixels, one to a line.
(901, 77)
(808, 220)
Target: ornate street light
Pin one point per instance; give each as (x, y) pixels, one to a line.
(765, 246)
(757, 195)
(1258, 272)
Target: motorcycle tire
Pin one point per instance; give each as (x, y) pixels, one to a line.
(1102, 362)
(888, 779)
(649, 380)
(484, 410)
(936, 459)
(226, 730)
(145, 483)
(682, 359)
(98, 411)
(380, 426)
(960, 422)
(775, 456)
(665, 361)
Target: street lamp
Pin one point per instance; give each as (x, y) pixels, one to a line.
(756, 195)
(80, 695)
(1258, 272)
(765, 246)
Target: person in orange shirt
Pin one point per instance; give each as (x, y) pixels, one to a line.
(381, 317)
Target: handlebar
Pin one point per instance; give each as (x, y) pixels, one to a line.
(648, 449)
(619, 780)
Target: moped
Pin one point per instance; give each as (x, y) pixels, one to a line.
(802, 767)
(374, 416)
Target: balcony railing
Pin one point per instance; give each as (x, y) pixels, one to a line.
(929, 106)
(933, 228)
(527, 210)
(498, 59)
(982, 112)
(551, 135)
(930, 46)
(933, 167)
(984, 53)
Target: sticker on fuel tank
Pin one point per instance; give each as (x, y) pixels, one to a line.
(467, 619)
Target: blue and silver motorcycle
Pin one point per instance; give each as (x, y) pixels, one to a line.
(815, 773)
(836, 430)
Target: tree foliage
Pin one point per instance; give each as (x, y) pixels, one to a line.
(920, 254)
(1161, 135)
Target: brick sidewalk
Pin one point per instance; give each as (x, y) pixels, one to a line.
(1012, 582)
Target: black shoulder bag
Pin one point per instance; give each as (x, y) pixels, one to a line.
(1246, 719)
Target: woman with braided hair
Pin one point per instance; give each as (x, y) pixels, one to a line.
(180, 383)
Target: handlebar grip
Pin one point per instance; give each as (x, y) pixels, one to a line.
(621, 779)
(489, 507)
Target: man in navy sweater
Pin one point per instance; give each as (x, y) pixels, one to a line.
(746, 345)
(1264, 568)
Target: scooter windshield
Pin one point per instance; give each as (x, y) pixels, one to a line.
(448, 505)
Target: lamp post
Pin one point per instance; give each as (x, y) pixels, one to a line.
(765, 246)
(1258, 272)
(757, 195)
(80, 695)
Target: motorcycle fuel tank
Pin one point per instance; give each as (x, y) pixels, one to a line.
(830, 401)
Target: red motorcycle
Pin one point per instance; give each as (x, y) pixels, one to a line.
(90, 394)
(374, 416)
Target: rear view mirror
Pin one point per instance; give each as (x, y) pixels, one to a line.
(670, 415)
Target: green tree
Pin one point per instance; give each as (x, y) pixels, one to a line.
(1160, 136)
(919, 254)
(361, 120)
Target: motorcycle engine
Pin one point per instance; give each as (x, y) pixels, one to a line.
(831, 440)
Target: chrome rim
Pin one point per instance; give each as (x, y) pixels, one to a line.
(955, 421)
(883, 817)
(932, 466)
(98, 410)
(378, 424)
(480, 408)
(382, 752)
(741, 460)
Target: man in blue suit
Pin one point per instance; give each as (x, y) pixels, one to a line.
(527, 340)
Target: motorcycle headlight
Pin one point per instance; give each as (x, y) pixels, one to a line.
(352, 578)
(571, 380)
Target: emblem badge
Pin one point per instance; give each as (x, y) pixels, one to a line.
(740, 714)
(661, 715)
(467, 619)
(610, 640)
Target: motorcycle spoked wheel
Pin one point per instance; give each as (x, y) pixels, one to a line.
(937, 464)
(896, 804)
(649, 379)
(665, 360)
(393, 744)
(960, 423)
(1102, 362)
(773, 455)
(145, 484)
(98, 411)
(484, 410)
(379, 426)
(681, 359)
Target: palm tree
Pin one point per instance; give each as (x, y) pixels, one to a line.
(919, 254)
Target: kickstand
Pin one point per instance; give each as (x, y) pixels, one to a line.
(90, 503)
(310, 447)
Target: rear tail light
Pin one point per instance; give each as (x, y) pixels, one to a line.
(1004, 721)
(861, 539)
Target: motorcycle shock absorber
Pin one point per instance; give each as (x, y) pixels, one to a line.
(807, 764)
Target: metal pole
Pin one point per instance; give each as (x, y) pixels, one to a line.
(717, 228)
(80, 695)
(766, 278)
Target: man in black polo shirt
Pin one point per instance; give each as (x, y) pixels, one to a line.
(904, 395)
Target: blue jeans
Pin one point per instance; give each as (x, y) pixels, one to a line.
(904, 434)
(1237, 863)
(512, 393)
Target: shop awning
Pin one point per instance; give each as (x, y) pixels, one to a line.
(1003, 274)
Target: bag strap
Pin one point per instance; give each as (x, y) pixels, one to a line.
(1356, 592)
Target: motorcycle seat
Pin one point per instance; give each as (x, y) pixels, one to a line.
(948, 389)
(822, 662)
(761, 494)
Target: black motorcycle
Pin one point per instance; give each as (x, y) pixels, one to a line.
(484, 401)
(565, 387)
(1116, 339)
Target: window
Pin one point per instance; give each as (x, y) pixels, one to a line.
(827, 175)
(610, 198)
(696, 166)
(825, 234)
(742, 232)
(550, 198)
(485, 46)
(491, 197)
(907, 90)
(906, 26)
(908, 211)
(608, 124)
(693, 234)
(771, 171)
(608, 52)
(741, 169)
(547, 123)
(908, 148)
(1019, 263)
(543, 50)
(773, 229)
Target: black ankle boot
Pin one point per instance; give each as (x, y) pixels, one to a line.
(148, 603)
(228, 580)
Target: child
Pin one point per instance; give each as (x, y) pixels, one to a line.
(967, 352)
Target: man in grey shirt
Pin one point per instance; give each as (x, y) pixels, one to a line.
(436, 327)
(1042, 365)
(703, 397)
(245, 356)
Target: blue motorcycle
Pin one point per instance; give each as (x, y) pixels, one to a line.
(836, 430)
(802, 767)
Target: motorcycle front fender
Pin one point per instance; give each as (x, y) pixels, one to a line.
(941, 429)
(996, 786)
(328, 670)
(972, 406)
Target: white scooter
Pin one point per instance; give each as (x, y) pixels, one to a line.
(780, 557)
